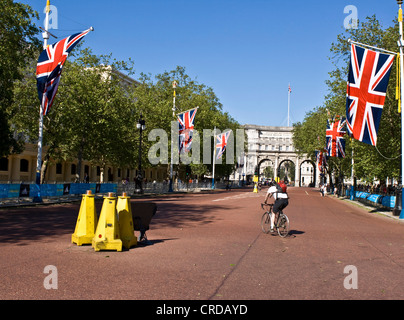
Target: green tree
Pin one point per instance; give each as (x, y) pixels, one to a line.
(18, 45)
(382, 161)
(155, 100)
(90, 116)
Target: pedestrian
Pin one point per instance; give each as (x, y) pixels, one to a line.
(322, 187)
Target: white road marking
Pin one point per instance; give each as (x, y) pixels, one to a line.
(239, 196)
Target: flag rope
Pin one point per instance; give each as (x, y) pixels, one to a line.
(368, 46)
(385, 156)
(186, 111)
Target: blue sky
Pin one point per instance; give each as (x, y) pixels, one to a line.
(247, 51)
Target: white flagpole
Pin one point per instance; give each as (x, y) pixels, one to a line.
(401, 44)
(45, 36)
(170, 186)
(214, 158)
(289, 105)
(371, 47)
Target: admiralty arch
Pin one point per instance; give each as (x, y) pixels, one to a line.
(272, 147)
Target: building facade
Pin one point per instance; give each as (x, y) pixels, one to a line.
(270, 146)
(21, 168)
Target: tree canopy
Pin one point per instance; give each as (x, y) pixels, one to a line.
(97, 107)
(371, 162)
(18, 44)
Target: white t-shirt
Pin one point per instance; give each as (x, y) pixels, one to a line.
(275, 193)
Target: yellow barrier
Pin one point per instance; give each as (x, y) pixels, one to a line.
(126, 230)
(107, 235)
(86, 221)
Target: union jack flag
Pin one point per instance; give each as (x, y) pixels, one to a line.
(221, 143)
(335, 142)
(368, 77)
(321, 159)
(49, 68)
(186, 129)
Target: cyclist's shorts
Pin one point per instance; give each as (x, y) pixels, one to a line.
(280, 204)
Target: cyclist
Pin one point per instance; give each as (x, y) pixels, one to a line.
(281, 200)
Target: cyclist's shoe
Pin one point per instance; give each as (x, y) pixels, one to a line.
(272, 230)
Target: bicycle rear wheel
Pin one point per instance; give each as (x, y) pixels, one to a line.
(266, 222)
(283, 226)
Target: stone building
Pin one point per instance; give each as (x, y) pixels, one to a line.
(270, 146)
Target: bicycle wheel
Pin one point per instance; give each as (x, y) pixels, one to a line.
(283, 226)
(266, 222)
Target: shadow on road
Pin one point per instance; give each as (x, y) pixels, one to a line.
(295, 232)
(21, 225)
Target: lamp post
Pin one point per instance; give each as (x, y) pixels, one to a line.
(141, 125)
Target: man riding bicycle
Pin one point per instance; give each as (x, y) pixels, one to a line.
(281, 200)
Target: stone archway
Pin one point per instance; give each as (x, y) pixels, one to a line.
(289, 175)
(313, 174)
(258, 167)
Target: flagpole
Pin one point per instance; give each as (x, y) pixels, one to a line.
(352, 192)
(401, 44)
(170, 187)
(371, 47)
(214, 158)
(289, 105)
(45, 36)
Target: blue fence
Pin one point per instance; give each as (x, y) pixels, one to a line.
(8, 191)
(376, 199)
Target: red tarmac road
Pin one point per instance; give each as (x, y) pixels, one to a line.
(209, 246)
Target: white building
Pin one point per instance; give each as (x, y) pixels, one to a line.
(273, 146)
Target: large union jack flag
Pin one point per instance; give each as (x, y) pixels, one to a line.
(368, 77)
(221, 143)
(335, 142)
(49, 68)
(186, 129)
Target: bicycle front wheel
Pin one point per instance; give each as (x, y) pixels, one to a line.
(283, 226)
(266, 222)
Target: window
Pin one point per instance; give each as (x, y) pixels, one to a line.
(98, 170)
(3, 164)
(58, 168)
(73, 169)
(23, 165)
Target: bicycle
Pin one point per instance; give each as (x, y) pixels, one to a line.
(281, 224)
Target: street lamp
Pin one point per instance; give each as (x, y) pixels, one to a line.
(141, 125)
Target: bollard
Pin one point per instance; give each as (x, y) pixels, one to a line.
(107, 235)
(126, 229)
(86, 221)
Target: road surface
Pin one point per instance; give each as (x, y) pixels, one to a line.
(209, 246)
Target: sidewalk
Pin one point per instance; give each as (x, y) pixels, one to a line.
(28, 202)
(380, 211)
